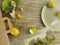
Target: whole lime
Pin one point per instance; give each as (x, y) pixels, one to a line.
(32, 30)
(51, 4)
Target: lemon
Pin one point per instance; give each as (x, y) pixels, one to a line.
(19, 16)
(58, 14)
(33, 30)
(51, 4)
(14, 31)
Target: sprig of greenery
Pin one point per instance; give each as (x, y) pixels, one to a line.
(48, 40)
(6, 5)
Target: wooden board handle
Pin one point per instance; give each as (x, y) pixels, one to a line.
(9, 23)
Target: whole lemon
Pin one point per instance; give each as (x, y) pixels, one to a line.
(14, 31)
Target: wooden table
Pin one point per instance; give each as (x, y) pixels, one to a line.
(31, 18)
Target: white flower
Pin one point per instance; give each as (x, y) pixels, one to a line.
(13, 3)
(12, 13)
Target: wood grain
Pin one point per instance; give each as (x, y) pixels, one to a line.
(3, 35)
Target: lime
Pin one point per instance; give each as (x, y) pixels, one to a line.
(51, 4)
(32, 30)
(58, 14)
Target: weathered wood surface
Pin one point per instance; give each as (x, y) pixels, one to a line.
(31, 18)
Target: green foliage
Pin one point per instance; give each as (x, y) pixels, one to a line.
(6, 5)
(48, 40)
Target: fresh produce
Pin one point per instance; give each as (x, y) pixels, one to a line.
(48, 40)
(58, 14)
(14, 31)
(32, 30)
(51, 4)
(19, 16)
(7, 7)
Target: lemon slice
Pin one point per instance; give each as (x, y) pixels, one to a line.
(51, 4)
(19, 16)
(33, 30)
(14, 31)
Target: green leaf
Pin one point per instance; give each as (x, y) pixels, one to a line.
(8, 9)
(5, 4)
